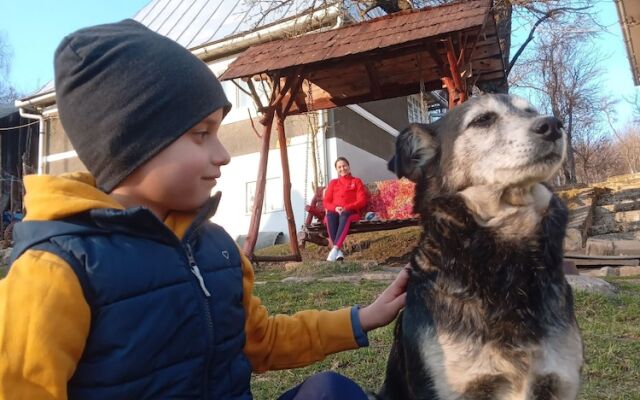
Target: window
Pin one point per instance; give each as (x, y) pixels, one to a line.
(423, 111)
(240, 101)
(273, 200)
(417, 112)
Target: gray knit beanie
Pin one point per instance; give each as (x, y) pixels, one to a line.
(124, 93)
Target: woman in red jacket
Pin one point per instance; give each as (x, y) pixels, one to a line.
(344, 199)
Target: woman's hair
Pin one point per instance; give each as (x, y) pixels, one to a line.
(335, 164)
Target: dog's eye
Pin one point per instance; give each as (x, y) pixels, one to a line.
(483, 120)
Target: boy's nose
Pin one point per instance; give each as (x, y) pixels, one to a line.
(220, 155)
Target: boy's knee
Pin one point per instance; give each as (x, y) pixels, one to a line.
(330, 385)
(327, 378)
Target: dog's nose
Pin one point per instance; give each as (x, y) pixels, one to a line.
(549, 128)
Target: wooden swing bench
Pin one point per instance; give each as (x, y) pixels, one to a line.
(315, 231)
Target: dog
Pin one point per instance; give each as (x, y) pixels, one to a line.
(489, 313)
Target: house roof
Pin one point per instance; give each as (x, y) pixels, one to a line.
(385, 57)
(629, 12)
(197, 23)
(380, 33)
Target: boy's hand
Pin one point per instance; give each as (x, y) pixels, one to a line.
(387, 306)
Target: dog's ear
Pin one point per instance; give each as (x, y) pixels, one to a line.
(417, 147)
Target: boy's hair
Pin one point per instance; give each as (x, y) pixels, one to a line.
(124, 93)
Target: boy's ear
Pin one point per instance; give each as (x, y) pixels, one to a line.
(417, 148)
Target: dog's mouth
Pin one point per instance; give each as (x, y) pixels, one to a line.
(548, 158)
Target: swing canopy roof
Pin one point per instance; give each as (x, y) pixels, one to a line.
(386, 57)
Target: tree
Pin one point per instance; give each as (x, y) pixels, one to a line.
(628, 142)
(562, 73)
(597, 157)
(7, 92)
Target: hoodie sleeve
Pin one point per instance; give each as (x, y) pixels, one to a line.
(327, 200)
(281, 341)
(361, 197)
(44, 324)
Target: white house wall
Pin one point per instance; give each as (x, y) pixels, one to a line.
(364, 165)
(232, 213)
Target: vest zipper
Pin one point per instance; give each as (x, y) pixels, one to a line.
(207, 311)
(195, 270)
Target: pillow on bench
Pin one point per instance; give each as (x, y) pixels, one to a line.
(391, 199)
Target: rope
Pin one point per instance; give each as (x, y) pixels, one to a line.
(19, 126)
(423, 107)
(306, 165)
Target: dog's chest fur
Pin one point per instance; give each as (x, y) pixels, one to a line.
(489, 314)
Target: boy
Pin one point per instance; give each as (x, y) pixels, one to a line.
(120, 288)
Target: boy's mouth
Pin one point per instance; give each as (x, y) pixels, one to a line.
(210, 178)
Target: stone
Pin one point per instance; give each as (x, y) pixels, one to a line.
(591, 285)
(615, 247)
(380, 276)
(594, 272)
(627, 216)
(572, 240)
(629, 271)
(296, 279)
(342, 278)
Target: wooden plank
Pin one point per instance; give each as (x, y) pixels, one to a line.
(274, 258)
(581, 262)
(368, 226)
(590, 257)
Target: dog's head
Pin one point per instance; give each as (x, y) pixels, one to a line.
(496, 140)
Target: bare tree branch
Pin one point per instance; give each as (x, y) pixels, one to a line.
(549, 14)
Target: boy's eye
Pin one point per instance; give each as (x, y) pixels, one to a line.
(201, 134)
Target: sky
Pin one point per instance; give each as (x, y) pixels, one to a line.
(35, 28)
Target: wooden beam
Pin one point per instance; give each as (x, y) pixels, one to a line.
(435, 56)
(373, 80)
(286, 185)
(390, 91)
(297, 79)
(258, 199)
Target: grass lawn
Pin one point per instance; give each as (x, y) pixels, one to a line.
(610, 327)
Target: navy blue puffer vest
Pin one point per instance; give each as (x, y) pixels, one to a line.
(167, 319)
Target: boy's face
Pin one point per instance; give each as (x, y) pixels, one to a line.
(182, 175)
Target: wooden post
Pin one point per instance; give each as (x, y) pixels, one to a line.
(454, 84)
(286, 186)
(291, 83)
(256, 210)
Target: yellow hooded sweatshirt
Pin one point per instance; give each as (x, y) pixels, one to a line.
(44, 318)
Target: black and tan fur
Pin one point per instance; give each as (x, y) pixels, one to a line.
(489, 313)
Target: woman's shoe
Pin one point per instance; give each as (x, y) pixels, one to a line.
(339, 255)
(333, 254)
